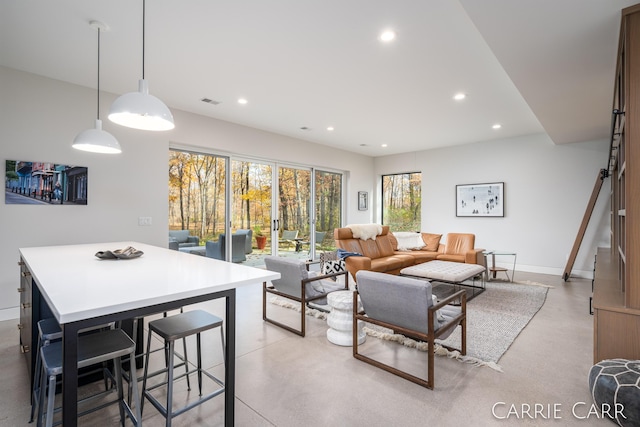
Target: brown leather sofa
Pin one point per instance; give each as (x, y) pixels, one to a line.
(382, 254)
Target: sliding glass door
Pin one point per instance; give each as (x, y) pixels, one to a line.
(252, 186)
(197, 201)
(267, 208)
(294, 218)
(328, 210)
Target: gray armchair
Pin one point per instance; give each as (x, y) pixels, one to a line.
(248, 248)
(406, 306)
(217, 249)
(183, 238)
(297, 284)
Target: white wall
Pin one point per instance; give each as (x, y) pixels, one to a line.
(547, 188)
(39, 118)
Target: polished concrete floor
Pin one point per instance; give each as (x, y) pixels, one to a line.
(286, 380)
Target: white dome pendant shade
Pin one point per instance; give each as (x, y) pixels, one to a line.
(97, 140)
(140, 110)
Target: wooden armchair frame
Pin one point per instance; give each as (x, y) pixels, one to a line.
(429, 338)
(303, 300)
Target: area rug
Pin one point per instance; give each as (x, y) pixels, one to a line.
(495, 318)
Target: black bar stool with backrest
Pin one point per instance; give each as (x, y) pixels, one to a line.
(171, 329)
(93, 348)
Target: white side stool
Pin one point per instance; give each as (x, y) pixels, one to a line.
(340, 319)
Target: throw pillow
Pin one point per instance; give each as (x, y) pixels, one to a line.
(431, 241)
(408, 240)
(330, 267)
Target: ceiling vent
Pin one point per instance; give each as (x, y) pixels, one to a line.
(210, 101)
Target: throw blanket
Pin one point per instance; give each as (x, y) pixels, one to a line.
(365, 231)
(342, 254)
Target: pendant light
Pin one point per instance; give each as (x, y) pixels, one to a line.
(97, 140)
(140, 110)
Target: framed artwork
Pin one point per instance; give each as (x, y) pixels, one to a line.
(480, 199)
(43, 183)
(363, 200)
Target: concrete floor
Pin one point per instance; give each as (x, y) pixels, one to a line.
(285, 380)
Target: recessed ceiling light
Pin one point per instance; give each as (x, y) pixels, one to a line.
(497, 126)
(383, 145)
(387, 36)
(242, 101)
(330, 128)
(459, 96)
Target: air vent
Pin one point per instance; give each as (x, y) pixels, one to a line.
(210, 101)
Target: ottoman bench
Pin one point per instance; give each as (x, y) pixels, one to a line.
(454, 273)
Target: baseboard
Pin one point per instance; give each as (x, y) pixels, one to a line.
(553, 271)
(12, 313)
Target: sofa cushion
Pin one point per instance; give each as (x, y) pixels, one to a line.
(370, 248)
(459, 243)
(390, 263)
(394, 241)
(431, 241)
(385, 247)
(420, 256)
(451, 257)
(408, 240)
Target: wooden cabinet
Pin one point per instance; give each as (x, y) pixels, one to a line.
(25, 311)
(616, 295)
(32, 309)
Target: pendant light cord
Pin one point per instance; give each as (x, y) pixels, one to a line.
(98, 74)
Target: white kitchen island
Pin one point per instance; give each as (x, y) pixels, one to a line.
(82, 290)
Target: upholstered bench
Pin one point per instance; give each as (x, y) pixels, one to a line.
(455, 273)
(444, 271)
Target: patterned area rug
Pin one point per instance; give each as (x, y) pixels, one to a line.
(495, 318)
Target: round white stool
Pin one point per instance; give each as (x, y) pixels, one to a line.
(340, 319)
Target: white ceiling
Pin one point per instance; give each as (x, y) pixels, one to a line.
(531, 65)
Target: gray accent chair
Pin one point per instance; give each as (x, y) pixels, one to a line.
(248, 248)
(406, 306)
(217, 249)
(183, 238)
(297, 284)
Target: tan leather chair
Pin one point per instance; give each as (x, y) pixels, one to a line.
(460, 248)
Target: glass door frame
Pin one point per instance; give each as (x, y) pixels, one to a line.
(227, 196)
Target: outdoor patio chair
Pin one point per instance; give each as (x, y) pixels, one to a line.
(288, 238)
(298, 284)
(216, 249)
(406, 306)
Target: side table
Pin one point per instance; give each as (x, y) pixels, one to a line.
(340, 319)
(493, 270)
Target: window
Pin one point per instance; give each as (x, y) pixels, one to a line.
(401, 201)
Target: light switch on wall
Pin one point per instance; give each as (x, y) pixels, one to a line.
(144, 220)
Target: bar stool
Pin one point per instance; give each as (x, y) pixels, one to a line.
(171, 329)
(48, 331)
(94, 348)
(165, 348)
